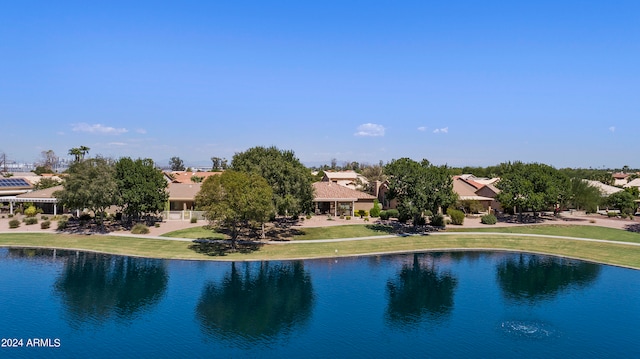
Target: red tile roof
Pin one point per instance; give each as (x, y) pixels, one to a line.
(332, 191)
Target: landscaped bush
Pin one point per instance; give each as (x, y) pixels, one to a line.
(421, 221)
(14, 223)
(457, 216)
(157, 224)
(375, 211)
(384, 215)
(30, 220)
(140, 229)
(62, 224)
(393, 213)
(44, 218)
(194, 220)
(362, 213)
(45, 225)
(348, 218)
(489, 219)
(10, 215)
(31, 211)
(611, 214)
(437, 220)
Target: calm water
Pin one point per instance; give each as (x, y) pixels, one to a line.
(425, 305)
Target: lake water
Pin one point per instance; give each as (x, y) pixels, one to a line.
(454, 304)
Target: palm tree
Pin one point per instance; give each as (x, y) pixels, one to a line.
(84, 150)
(76, 153)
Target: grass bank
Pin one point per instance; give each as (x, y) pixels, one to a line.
(611, 253)
(579, 231)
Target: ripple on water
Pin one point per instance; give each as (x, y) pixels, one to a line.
(528, 329)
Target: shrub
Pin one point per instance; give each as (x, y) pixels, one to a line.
(611, 214)
(10, 215)
(45, 225)
(30, 220)
(457, 216)
(308, 216)
(393, 213)
(348, 218)
(384, 215)
(489, 219)
(421, 221)
(366, 219)
(31, 211)
(362, 213)
(140, 229)
(14, 223)
(157, 224)
(62, 224)
(194, 220)
(375, 211)
(437, 220)
(44, 218)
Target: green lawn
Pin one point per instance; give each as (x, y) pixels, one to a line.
(610, 253)
(195, 233)
(346, 231)
(595, 232)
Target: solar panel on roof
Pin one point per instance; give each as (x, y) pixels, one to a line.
(14, 182)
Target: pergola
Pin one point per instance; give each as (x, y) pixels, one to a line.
(13, 199)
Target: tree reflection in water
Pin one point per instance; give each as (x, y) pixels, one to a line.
(96, 286)
(532, 278)
(419, 292)
(257, 303)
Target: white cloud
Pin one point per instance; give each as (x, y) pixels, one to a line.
(370, 130)
(141, 131)
(98, 129)
(117, 144)
(422, 128)
(612, 129)
(441, 130)
(60, 133)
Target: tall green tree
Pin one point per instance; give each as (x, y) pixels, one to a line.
(218, 164)
(289, 179)
(235, 199)
(531, 186)
(89, 184)
(623, 201)
(79, 153)
(583, 196)
(142, 188)
(419, 187)
(176, 164)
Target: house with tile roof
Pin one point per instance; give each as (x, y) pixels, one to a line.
(187, 176)
(470, 190)
(336, 200)
(620, 178)
(350, 179)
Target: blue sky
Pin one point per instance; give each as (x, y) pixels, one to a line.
(458, 82)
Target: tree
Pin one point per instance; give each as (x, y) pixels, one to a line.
(49, 161)
(289, 179)
(235, 199)
(89, 184)
(46, 182)
(623, 201)
(531, 186)
(583, 196)
(218, 164)
(176, 164)
(374, 172)
(79, 153)
(419, 187)
(142, 188)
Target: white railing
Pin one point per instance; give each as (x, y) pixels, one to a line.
(182, 215)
